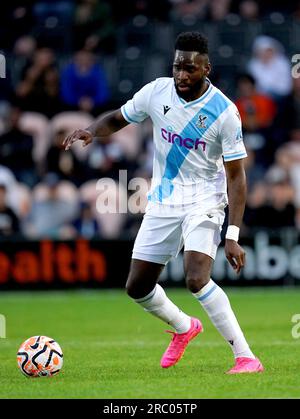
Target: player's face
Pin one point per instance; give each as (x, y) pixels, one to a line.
(189, 71)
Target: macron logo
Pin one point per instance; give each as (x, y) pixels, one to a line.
(189, 143)
(166, 109)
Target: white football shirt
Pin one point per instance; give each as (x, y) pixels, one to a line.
(191, 139)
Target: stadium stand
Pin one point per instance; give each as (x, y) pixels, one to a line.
(48, 35)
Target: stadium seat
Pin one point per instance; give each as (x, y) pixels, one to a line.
(70, 121)
(23, 203)
(37, 125)
(88, 192)
(110, 224)
(280, 29)
(67, 191)
(156, 66)
(295, 36)
(129, 140)
(138, 31)
(163, 39)
(53, 23)
(239, 35)
(112, 221)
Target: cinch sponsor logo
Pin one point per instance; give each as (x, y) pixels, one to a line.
(189, 143)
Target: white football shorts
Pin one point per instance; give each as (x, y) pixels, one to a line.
(166, 229)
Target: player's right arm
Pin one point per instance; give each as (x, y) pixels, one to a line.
(135, 110)
(105, 125)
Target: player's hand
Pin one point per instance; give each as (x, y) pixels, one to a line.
(79, 134)
(235, 255)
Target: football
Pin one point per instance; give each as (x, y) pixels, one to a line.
(40, 356)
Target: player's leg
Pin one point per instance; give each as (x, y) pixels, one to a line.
(215, 302)
(142, 287)
(142, 278)
(158, 239)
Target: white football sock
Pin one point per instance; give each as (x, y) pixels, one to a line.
(158, 304)
(216, 304)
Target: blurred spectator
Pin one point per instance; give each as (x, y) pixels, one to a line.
(188, 10)
(275, 206)
(16, 20)
(43, 58)
(125, 11)
(6, 94)
(271, 120)
(256, 109)
(254, 171)
(94, 27)
(257, 112)
(61, 9)
(287, 163)
(270, 67)
(39, 89)
(9, 223)
(218, 9)
(50, 213)
(271, 6)
(86, 224)
(66, 165)
(25, 47)
(83, 83)
(49, 95)
(53, 23)
(290, 116)
(280, 203)
(16, 150)
(296, 11)
(106, 159)
(249, 10)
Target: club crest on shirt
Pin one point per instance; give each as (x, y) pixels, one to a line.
(201, 121)
(238, 114)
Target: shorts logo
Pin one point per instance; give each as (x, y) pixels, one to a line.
(201, 121)
(189, 143)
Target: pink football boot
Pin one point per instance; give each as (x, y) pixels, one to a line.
(179, 342)
(246, 365)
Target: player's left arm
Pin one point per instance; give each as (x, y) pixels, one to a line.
(237, 192)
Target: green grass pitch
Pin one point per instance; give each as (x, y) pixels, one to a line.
(112, 348)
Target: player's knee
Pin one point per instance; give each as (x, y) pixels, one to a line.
(195, 282)
(130, 289)
(133, 290)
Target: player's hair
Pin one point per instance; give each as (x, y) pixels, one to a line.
(192, 41)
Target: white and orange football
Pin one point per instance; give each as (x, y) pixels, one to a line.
(40, 356)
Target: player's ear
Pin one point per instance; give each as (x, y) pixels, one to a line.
(207, 68)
